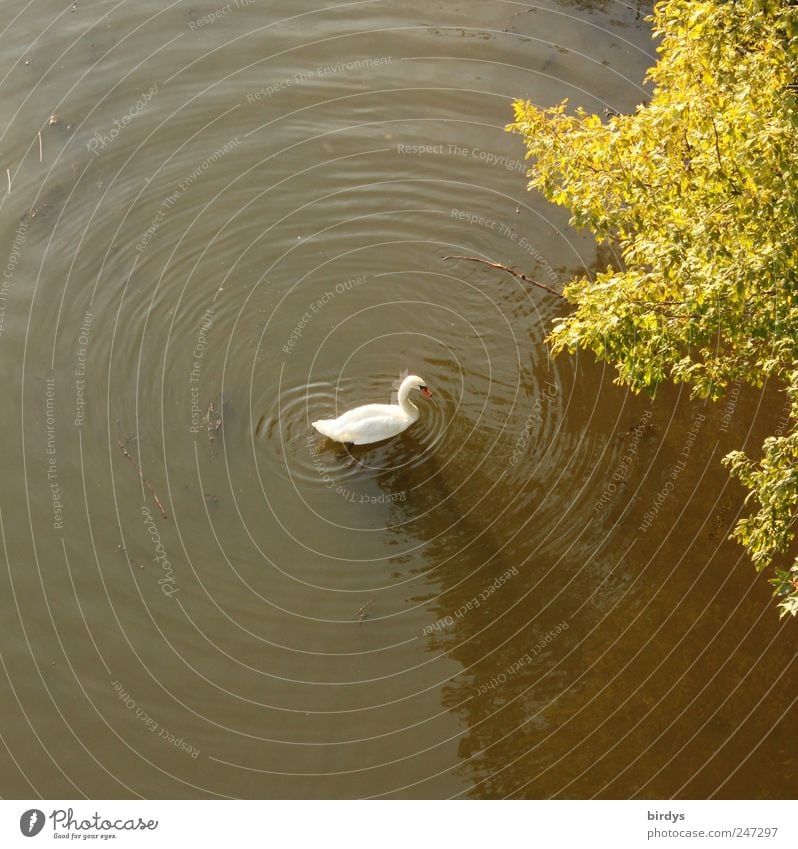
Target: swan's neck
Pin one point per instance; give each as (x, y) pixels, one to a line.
(408, 407)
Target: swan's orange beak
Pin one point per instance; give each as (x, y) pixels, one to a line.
(425, 392)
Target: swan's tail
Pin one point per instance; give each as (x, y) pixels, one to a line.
(328, 428)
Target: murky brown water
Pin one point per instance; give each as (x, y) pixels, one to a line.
(238, 225)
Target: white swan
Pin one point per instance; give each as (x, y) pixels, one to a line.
(375, 422)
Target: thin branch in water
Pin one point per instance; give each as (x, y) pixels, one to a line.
(516, 274)
(144, 480)
(8, 174)
(40, 145)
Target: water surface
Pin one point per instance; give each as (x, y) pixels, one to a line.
(236, 223)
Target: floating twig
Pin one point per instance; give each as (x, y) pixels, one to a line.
(8, 174)
(40, 145)
(144, 480)
(363, 614)
(213, 420)
(642, 428)
(517, 274)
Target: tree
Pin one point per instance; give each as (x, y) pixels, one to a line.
(697, 191)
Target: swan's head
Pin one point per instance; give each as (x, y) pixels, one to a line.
(416, 382)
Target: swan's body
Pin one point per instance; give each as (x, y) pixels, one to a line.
(375, 422)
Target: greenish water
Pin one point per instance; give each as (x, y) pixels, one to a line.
(225, 222)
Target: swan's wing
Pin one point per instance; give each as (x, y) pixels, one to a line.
(368, 411)
(369, 423)
(375, 429)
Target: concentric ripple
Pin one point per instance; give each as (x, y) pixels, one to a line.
(505, 599)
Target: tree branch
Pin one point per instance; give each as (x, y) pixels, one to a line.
(517, 274)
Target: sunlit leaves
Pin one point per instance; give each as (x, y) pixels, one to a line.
(698, 190)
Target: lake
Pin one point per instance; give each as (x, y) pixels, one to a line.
(223, 222)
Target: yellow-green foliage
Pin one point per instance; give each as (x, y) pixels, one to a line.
(699, 190)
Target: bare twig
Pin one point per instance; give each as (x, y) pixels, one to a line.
(8, 174)
(213, 420)
(40, 145)
(517, 274)
(144, 480)
(363, 614)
